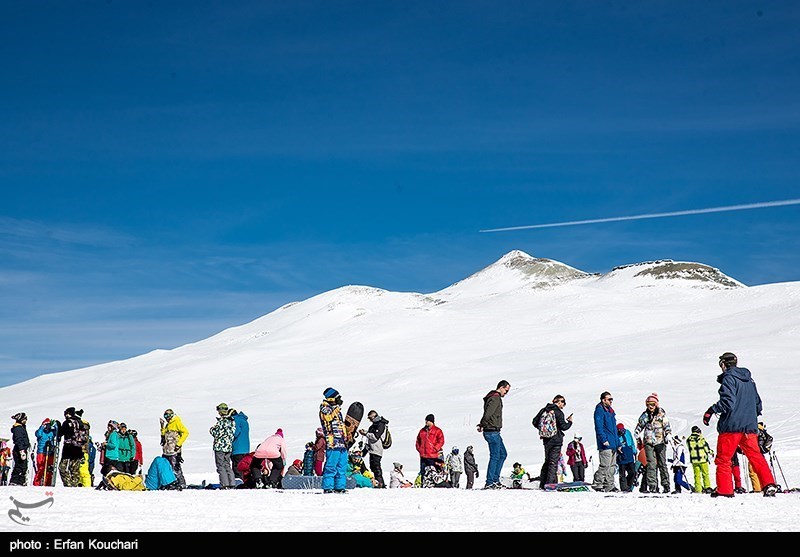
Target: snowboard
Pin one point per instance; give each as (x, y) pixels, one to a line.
(524, 483)
(568, 487)
(309, 482)
(354, 414)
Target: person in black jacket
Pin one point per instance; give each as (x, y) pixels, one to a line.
(553, 444)
(22, 444)
(75, 436)
(375, 436)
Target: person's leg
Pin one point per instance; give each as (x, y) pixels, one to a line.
(650, 471)
(275, 472)
(493, 468)
(749, 444)
(609, 482)
(256, 477)
(229, 476)
(581, 467)
(377, 468)
(663, 470)
(726, 447)
(470, 479)
(235, 460)
(603, 462)
(340, 479)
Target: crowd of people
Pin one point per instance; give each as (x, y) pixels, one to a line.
(642, 457)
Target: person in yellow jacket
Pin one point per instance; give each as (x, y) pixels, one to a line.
(699, 455)
(173, 436)
(83, 469)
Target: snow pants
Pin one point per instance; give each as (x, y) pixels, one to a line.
(604, 475)
(701, 478)
(727, 444)
(42, 462)
(656, 466)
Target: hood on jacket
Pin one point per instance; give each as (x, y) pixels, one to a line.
(740, 373)
(490, 395)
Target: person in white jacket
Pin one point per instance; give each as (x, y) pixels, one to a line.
(454, 466)
(396, 477)
(678, 462)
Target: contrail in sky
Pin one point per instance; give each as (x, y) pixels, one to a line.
(654, 215)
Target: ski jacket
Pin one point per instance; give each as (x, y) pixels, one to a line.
(605, 427)
(111, 450)
(653, 427)
(126, 447)
(332, 421)
(160, 474)
(19, 436)
(396, 478)
(435, 477)
(575, 452)
(470, 467)
(319, 448)
(272, 447)
(222, 433)
(44, 435)
(430, 442)
(562, 424)
(176, 425)
(241, 436)
(699, 451)
(139, 455)
(492, 419)
(375, 436)
(71, 430)
(627, 448)
(678, 459)
(453, 463)
(739, 404)
(308, 462)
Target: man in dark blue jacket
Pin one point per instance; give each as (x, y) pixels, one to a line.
(605, 429)
(738, 407)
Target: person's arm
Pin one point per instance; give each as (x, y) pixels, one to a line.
(667, 427)
(640, 425)
(183, 433)
(726, 396)
(562, 423)
(600, 430)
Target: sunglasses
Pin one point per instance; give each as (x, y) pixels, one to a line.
(609, 399)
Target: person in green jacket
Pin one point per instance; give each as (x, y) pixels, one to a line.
(127, 450)
(699, 455)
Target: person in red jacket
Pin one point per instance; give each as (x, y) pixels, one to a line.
(430, 441)
(139, 458)
(576, 459)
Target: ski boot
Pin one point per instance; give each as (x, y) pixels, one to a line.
(771, 489)
(740, 490)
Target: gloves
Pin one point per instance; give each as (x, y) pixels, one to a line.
(708, 414)
(477, 474)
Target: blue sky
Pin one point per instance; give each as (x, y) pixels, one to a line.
(171, 169)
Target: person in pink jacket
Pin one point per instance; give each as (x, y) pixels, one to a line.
(273, 450)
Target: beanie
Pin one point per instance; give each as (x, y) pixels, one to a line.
(652, 398)
(46, 421)
(70, 411)
(298, 463)
(79, 413)
(279, 432)
(620, 426)
(695, 429)
(330, 392)
(429, 418)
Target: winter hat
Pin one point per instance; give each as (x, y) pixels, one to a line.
(123, 424)
(577, 437)
(429, 418)
(652, 398)
(397, 465)
(620, 426)
(134, 432)
(45, 421)
(279, 432)
(319, 431)
(113, 423)
(79, 413)
(469, 448)
(70, 411)
(19, 416)
(695, 429)
(168, 413)
(298, 463)
(330, 392)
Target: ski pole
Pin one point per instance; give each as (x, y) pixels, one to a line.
(778, 462)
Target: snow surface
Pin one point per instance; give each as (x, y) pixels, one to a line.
(407, 355)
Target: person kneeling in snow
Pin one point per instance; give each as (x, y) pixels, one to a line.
(435, 475)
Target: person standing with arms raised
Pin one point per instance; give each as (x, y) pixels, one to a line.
(490, 425)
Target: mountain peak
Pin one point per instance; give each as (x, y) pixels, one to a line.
(696, 274)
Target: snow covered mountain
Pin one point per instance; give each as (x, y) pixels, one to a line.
(546, 327)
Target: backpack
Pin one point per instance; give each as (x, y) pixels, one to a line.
(387, 438)
(764, 441)
(547, 424)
